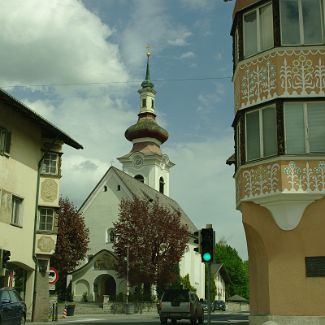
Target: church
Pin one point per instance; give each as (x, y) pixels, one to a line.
(145, 175)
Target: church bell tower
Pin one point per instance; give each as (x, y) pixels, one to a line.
(145, 161)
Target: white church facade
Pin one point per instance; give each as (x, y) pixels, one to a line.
(145, 175)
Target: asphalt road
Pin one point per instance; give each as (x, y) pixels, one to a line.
(221, 318)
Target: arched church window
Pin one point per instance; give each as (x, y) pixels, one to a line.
(139, 178)
(161, 185)
(110, 236)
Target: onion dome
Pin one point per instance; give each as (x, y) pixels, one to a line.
(146, 128)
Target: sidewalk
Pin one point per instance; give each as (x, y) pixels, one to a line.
(101, 316)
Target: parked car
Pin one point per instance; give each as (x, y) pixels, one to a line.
(12, 307)
(219, 305)
(178, 304)
(205, 305)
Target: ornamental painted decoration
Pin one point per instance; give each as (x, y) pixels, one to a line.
(49, 190)
(46, 244)
(280, 73)
(281, 177)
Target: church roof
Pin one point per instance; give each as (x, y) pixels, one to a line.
(142, 190)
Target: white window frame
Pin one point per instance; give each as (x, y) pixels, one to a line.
(301, 25)
(46, 216)
(258, 31)
(16, 210)
(306, 128)
(261, 133)
(47, 163)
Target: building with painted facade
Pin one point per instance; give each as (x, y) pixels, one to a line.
(145, 175)
(279, 96)
(30, 172)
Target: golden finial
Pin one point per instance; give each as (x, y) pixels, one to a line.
(148, 47)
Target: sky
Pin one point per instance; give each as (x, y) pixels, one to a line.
(79, 64)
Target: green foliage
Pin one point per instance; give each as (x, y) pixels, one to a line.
(236, 269)
(186, 283)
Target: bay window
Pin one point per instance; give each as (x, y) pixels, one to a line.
(304, 125)
(50, 163)
(261, 134)
(301, 22)
(46, 219)
(258, 30)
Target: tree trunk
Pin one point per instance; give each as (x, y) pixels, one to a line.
(147, 292)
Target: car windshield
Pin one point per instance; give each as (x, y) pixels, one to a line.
(175, 295)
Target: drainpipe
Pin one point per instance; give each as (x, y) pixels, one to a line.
(34, 235)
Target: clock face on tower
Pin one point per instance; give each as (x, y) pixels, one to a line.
(137, 161)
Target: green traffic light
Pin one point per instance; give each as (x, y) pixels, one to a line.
(207, 257)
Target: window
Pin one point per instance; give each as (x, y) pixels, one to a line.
(304, 127)
(261, 136)
(238, 155)
(152, 103)
(46, 219)
(50, 163)
(143, 102)
(139, 178)
(161, 185)
(301, 22)
(110, 236)
(16, 211)
(258, 30)
(5, 139)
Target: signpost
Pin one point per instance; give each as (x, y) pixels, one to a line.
(53, 278)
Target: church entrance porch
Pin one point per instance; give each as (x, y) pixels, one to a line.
(104, 285)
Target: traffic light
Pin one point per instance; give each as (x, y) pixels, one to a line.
(197, 240)
(207, 245)
(5, 258)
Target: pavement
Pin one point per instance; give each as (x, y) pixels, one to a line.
(106, 316)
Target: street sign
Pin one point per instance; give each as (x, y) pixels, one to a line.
(53, 276)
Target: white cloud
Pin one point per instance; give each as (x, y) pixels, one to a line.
(57, 41)
(203, 185)
(187, 55)
(198, 4)
(150, 24)
(208, 101)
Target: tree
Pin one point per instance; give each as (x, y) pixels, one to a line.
(236, 268)
(155, 238)
(72, 242)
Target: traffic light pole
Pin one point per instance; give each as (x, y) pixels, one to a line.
(209, 293)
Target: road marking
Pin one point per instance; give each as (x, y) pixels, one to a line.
(83, 320)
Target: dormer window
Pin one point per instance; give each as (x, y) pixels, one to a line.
(139, 178)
